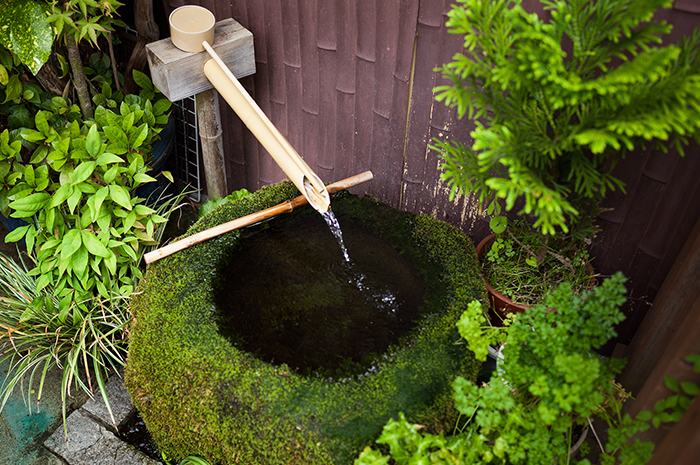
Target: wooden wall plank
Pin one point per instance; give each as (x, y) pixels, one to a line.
(309, 57)
(430, 13)
(345, 138)
(291, 24)
(275, 51)
(367, 30)
(295, 126)
(309, 149)
(347, 46)
(364, 78)
(427, 49)
(327, 111)
(326, 25)
(387, 49)
(406, 36)
(256, 25)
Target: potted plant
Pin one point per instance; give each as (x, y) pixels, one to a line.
(557, 102)
(538, 406)
(528, 265)
(72, 174)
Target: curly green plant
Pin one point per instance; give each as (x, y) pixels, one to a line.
(548, 382)
(559, 101)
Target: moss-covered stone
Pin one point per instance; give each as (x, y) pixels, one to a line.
(200, 395)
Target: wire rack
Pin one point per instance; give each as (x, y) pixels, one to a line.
(187, 146)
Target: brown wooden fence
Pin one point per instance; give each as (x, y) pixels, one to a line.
(349, 83)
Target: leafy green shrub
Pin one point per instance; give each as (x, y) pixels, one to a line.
(547, 383)
(558, 102)
(73, 182)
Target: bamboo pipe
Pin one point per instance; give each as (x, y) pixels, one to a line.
(284, 207)
(262, 128)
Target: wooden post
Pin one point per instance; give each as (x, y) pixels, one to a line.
(210, 133)
(668, 334)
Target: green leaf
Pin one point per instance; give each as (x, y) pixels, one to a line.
(13, 90)
(142, 80)
(41, 123)
(107, 158)
(83, 171)
(32, 203)
(129, 222)
(99, 197)
(690, 388)
(93, 245)
(168, 175)
(139, 135)
(498, 224)
(111, 174)
(93, 143)
(29, 175)
(70, 244)
(161, 106)
(16, 234)
(74, 199)
(60, 196)
(120, 196)
(26, 32)
(143, 178)
(79, 261)
(672, 384)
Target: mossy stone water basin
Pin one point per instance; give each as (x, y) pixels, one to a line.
(204, 388)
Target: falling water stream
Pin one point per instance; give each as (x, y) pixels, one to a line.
(334, 226)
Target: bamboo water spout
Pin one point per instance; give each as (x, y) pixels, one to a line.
(190, 32)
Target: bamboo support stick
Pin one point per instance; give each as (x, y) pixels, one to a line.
(284, 207)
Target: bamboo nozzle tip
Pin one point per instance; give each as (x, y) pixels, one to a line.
(320, 200)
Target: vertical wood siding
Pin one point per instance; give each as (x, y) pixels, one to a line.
(349, 83)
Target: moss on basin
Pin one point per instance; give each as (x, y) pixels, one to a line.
(198, 394)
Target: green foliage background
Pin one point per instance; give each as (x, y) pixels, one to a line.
(559, 101)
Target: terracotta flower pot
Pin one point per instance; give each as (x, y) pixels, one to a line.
(500, 304)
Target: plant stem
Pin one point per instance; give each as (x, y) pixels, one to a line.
(600, 444)
(79, 76)
(113, 60)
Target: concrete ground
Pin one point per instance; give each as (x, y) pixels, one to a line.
(25, 424)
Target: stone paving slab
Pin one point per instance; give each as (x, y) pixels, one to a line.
(89, 443)
(90, 436)
(119, 402)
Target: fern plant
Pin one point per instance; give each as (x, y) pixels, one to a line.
(559, 101)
